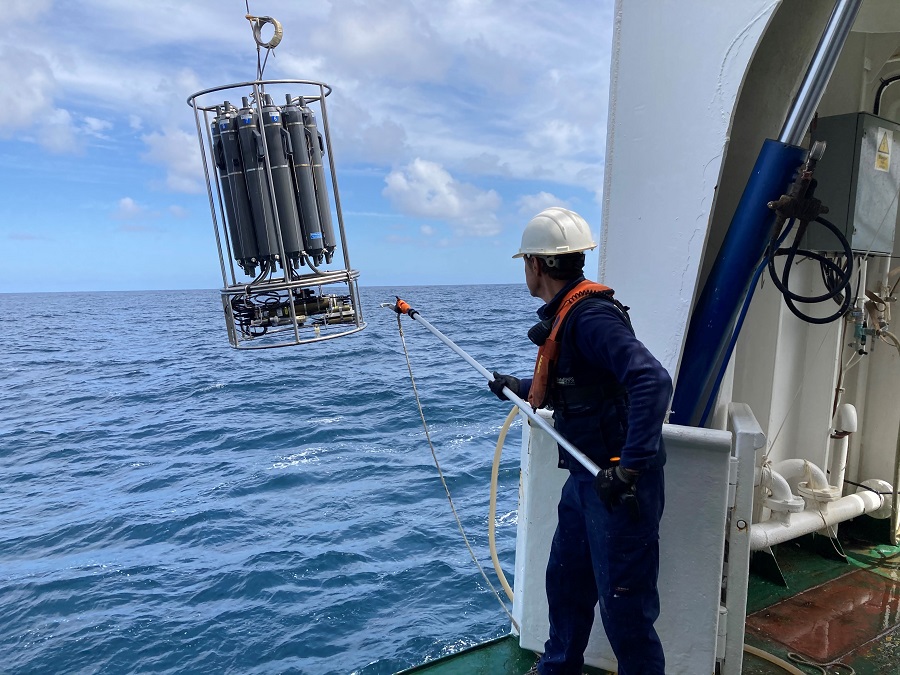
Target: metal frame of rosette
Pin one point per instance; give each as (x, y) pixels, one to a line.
(293, 299)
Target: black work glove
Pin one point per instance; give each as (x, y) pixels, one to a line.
(500, 381)
(616, 486)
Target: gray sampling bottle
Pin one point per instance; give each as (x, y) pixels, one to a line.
(316, 146)
(276, 140)
(227, 153)
(257, 184)
(305, 184)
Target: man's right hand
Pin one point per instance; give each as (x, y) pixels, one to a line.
(500, 381)
(616, 486)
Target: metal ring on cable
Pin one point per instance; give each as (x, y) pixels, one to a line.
(260, 21)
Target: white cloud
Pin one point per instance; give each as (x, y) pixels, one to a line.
(179, 153)
(472, 90)
(63, 78)
(57, 133)
(17, 10)
(426, 189)
(530, 205)
(427, 230)
(360, 135)
(27, 73)
(95, 127)
(178, 211)
(557, 135)
(128, 209)
(32, 109)
(147, 23)
(516, 90)
(390, 38)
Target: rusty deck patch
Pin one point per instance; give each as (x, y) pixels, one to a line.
(832, 620)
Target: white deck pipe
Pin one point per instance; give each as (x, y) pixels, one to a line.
(780, 530)
(776, 483)
(797, 471)
(845, 423)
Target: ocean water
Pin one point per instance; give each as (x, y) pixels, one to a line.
(171, 505)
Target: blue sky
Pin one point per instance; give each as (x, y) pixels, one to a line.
(453, 122)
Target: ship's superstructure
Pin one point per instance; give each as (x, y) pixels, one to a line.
(808, 342)
(750, 210)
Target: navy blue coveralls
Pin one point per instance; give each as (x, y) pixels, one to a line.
(610, 397)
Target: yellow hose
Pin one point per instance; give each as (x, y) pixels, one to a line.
(492, 510)
(781, 663)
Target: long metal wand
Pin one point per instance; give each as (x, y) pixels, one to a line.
(403, 308)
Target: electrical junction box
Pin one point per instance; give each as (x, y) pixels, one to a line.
(859, 181)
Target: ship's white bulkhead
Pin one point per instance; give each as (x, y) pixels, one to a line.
(687, 132)
(788, 370)
(688, 116)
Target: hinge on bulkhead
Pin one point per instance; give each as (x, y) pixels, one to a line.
(732, 481)
(721, 633)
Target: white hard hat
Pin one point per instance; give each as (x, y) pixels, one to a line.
(555, 231)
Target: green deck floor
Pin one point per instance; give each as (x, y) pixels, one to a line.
(805, 571)
(502, 656)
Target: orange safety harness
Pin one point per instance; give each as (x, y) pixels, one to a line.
(548, 352)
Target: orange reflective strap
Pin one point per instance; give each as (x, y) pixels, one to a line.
(548, 353)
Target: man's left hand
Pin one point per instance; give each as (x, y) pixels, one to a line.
(496, 385)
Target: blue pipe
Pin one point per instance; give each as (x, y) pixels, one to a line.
(729, 350)
(713, 319)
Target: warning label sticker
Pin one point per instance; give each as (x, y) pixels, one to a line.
(883, 152)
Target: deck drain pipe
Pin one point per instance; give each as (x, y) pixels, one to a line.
(797, 470)
(778, 530)
(781, 499)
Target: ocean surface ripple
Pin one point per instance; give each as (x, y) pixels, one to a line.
(172, 505)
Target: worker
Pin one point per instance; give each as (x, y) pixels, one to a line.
(609, 397)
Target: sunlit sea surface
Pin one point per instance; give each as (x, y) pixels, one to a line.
(171, 505)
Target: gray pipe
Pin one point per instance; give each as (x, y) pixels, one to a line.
(819, 72)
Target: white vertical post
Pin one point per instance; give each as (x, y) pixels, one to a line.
(748, 441)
